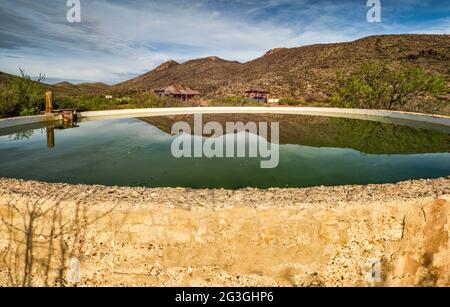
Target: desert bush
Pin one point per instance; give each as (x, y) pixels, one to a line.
(83, 102)
(65, 102)
(149, 100)
(94, 103)
(98, 102)
(233, 101)
(290, 101)
(378, 86)
(22, 96)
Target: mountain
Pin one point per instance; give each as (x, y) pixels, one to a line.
(94, 88)
(68, 88)
(306, 72)
(166, 65)
(207, 74)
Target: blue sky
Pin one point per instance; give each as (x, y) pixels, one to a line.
(117, 40)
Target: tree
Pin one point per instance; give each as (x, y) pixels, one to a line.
(378, 86)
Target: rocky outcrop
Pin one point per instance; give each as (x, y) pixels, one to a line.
(166, 65)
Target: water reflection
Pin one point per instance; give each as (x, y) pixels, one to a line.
(326, 132)
(23, 135)
(313, 151)
(51, 131)
(50, 137)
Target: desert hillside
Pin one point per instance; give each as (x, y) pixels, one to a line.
(81, 88)
(304, 72)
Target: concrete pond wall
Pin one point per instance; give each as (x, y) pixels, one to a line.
(27, 120)
(375, 115)
(377, 235)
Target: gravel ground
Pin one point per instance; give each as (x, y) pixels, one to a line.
(220, 198)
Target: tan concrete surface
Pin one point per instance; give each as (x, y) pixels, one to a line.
(27, 120)
(376, 115)
(324, 236)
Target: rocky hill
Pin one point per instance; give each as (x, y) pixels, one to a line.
(207, 75)
(68, 88)
(306, 72)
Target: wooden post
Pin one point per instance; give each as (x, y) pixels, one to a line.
(49, 102)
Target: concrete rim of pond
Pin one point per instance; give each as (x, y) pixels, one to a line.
(363, 114)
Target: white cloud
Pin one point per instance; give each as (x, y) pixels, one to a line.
(136, 39)
(119, 39)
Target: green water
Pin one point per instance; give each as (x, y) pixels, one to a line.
(313, 151)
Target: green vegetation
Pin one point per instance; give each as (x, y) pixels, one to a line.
(233, 101)
(368, 137)
(376, 86)
(88, 103)
(149, 100)
(384, 138)
(22, 96)
(373, 86)
(291, 102)
(98, 103)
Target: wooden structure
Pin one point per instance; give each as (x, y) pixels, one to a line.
(257, 94)
(177, 91)
(49, 102)
(68, 115)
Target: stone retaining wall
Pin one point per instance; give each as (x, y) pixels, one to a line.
(180, 237)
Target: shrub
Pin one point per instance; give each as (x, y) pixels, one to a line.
(64, 102)
(86, 102)
(233, 101)
(149, 100)
(377, 86)
(290, 102)
(22, 96)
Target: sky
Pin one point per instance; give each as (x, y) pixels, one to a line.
(117, 40)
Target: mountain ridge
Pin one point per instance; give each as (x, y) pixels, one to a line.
(305, 72)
